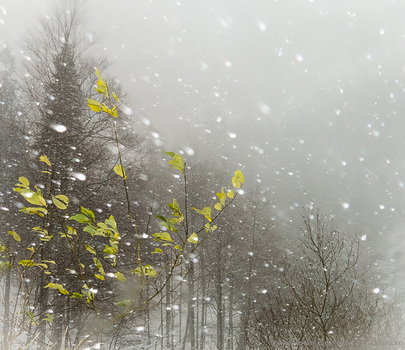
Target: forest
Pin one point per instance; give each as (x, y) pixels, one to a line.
(112, 241)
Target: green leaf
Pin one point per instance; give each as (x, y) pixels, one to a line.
(170, 154)
(90, 249)
(157, 251)
(88, 213)
(58, 203)
(206, 212)
(174, 207)
(193, 238)
(15, 235)
(164, 236)
(150, 271)
(177, 162)
(120, 276)
(94, 105)
(92, 230)
(83, 219)
(48, 318)
(76, 295)
(168, 223)
(111, 221)
(123, 303)
(119, 170)
(45, 159)
(137, 271)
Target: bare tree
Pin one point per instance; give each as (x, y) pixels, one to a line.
(324, 297)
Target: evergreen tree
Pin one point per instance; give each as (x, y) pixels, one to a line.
(58, 81)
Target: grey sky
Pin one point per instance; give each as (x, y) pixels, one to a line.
(307, 95)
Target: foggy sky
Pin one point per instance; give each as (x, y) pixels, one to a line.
(308, 96)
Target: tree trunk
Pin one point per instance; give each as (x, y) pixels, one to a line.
(203, 303)
(191, 306)
(219, 298)
(230, 330)
(169, 307)
(6, 324)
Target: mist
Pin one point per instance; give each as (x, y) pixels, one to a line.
(305, 97)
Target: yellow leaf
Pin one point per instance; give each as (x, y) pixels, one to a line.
(35, 210)
(114, 112)
(164, 236)
(193, 238)
(119, 170)
(58, 203)
(63, 198)
(15, 235)
(24, 181)
(100, 277)
(102, 84)
(238, 179)
(98, 73)
(221, 196)
(120, 276)
(90, 249)
(49, 261)
(115, 96)
(54, 286)
(157, 251)
(239, 176)
(71, 231)
(206, 212)
(230, 194)
(45, 159)
(218, 206)
(150, 271)
(94, 105)
(32, 197)
(105, 109)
